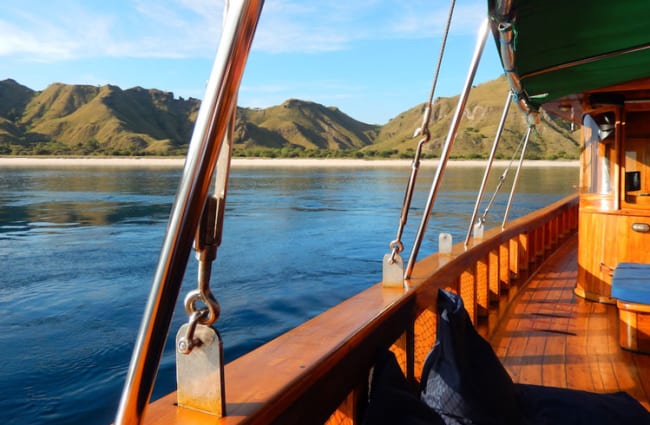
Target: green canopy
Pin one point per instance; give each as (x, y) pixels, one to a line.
(551, 48)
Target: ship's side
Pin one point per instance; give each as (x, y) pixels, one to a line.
(540, 289)
(318, 372)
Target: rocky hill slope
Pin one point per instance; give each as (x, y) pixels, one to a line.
(106, 120)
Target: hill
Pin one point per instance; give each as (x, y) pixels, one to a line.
(552, 139)
(303, 126)
(106, 120)
(82, 119)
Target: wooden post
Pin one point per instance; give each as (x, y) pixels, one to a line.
(467, 291)
(504, 265)
(482, 289)
(494, 285)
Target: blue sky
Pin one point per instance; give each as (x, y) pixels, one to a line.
(371, 58)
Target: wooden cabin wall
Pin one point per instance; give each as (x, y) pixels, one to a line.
(611, 224)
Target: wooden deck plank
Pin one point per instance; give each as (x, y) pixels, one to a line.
(552, 337)
(553, 362)
(642, 364)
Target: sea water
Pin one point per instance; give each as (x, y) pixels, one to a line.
(79, 247)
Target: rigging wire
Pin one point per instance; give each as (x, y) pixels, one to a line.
(516, 179)
(502, 179)
(396, 245)
(488, 168)
(427, 115)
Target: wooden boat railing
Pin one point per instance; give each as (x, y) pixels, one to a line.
(318, 372)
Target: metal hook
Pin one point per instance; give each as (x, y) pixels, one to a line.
(212, 307)
(397, 247)
(188, 342)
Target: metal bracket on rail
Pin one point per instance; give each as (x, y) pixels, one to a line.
(206, 145)
(199, 348)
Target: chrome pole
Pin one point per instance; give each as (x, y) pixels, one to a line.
(488, 166)
(451, 135)
(516, 179)
(210, 129)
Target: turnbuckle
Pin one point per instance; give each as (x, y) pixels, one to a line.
(392, 263)
(397, 246)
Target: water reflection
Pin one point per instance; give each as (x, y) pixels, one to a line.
(51, 200)
(78, 250)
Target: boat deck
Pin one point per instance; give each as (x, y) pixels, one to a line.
(552, 337)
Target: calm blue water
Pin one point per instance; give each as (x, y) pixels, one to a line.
(78, 250)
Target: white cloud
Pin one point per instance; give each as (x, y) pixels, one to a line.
(417, 20)
(15, 41)
(293, 26)
(204, 7)
(67, 29)
(32, 36)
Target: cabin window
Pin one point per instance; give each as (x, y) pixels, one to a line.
(636, 160)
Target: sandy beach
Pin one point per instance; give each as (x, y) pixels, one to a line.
(254, 162)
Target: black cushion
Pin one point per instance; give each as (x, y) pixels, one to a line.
(560, 406)
(463, 379)
(391, 399)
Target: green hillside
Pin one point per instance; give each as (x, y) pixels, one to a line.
(106, 120)
(82, 120)
(300, 126)
(552, 138)
(13, 100)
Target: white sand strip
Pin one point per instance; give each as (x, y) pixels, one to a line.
(9, 161)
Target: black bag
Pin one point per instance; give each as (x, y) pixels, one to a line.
(463, 379)
(391, 399)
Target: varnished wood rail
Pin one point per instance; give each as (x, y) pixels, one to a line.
(318, 372)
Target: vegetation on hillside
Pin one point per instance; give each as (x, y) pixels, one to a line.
(106, 120)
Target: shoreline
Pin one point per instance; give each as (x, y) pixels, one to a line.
(178, 162)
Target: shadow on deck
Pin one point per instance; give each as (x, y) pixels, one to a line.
(552, 337)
